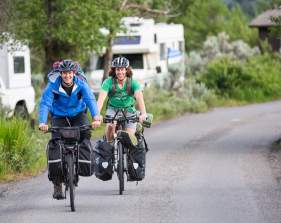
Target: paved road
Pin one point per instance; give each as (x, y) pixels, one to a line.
(202, 168)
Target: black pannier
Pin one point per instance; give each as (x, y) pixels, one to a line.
(103, 153)
(136, 160)
(54, 158)
(86, 159)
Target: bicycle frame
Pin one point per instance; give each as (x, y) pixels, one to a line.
(120, 152)
(68, 141)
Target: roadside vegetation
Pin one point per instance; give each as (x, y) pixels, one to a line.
(22, 150)
(235, 72)
(257, 79)
(190, 97)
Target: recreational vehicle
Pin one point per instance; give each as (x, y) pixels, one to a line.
(16, 91)
(150, 47)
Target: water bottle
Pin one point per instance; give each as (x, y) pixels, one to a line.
(148, 121)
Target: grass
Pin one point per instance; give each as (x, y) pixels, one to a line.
(22, 150)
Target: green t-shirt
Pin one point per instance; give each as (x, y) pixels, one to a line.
(121, 99)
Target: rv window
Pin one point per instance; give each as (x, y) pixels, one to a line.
(127, 40)
(181, 46)
(19, 65)
(136, 60)
(162, 51)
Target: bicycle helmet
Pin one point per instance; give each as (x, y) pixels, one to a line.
(120, 62)
(67, 65)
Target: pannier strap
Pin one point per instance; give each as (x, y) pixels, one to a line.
(146, 147)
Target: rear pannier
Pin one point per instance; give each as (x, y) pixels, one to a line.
(54, 158)
(86, 159)
(136, 160)
(103, 160)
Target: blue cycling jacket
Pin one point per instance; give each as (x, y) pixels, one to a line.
(56, 101)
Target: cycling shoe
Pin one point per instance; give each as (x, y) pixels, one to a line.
(58, 194)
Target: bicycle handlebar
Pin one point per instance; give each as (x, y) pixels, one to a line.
(81, 128)
(123, 118)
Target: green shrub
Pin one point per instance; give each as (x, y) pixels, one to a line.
(20, 148)
(191, 97)
(254, 80)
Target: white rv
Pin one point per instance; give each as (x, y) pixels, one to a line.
(150, 47)
(16, 91)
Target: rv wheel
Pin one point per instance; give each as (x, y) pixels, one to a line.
(21, 111)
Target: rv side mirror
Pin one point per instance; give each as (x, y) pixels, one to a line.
(158, 69)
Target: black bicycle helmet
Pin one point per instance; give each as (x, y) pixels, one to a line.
(120, 62)
(67, 65)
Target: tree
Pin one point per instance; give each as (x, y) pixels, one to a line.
(236, 26)
(276, 30)
(59, 28)
(200, 19)
(71, 29)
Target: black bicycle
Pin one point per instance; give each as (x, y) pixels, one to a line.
(120, 150)
(68, 139)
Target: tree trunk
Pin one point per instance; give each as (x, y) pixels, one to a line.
(47, 63)
(107, 58)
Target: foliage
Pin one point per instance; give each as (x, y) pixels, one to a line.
(253, 7)
(236, 26)
(58, 28)
(207, 18)
(4, 111)
(192, 97)
(175, 76)
(254, 80)
(215, 47)
(200, 19)
(20, 148)
(276, 30)
(249, 7)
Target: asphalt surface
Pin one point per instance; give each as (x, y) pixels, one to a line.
(201, 168)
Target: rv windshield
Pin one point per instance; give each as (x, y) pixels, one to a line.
(136, 60)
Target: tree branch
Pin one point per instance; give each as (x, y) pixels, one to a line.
(123, 5)
(146, 9)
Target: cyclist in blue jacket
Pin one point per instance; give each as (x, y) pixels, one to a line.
(66, 98)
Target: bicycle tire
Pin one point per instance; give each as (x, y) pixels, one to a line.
(70, 179)
(120, 167)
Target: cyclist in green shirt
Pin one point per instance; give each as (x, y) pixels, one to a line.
(123, 92)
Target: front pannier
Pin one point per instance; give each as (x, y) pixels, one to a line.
(54, 158)
(136, 161)
(103, 160)
(86, 159)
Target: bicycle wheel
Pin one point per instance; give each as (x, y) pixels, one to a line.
(120, 167)
(70, 180)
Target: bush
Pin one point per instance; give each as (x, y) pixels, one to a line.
(254, 80)
(20, 148)
(217, 47)
(191, 97)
